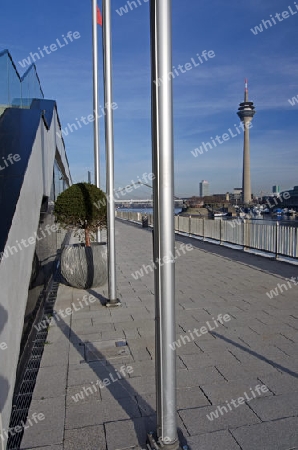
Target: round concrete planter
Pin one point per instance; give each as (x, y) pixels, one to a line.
(85, 267)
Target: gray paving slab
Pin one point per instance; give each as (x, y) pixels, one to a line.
(129, 434)
(88, 438)
(207, 359)
(94, 413)
(220, 393)
(82, 394)
(190, 378)
(51, 382)
(276, 435)
(219, 440)
(281, 383)
(196, 420)
(54, 355)
(49, 431)
(275, 407)
(235, 371)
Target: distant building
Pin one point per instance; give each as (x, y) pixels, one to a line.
(290, 198)
(195, 202)
(204, 188)
(276, 189)
(236, 195)
(216, 198)
(237, 191)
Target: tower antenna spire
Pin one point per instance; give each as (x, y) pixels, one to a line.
(245, 90)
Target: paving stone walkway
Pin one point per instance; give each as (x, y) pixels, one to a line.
(96, 396)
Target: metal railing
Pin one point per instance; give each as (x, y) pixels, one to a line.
(276, 239)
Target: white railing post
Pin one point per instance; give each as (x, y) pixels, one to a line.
(276, 239)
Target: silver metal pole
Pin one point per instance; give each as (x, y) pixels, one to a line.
(109, 139)
(95, 92)
(156, 232)
(95, 101)
(164, 183)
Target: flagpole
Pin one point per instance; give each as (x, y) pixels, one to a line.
(95, 92)
(164, 235)
(109, 139)
(95, 99)
(155, 232)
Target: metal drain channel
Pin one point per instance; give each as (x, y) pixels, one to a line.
(22, 399)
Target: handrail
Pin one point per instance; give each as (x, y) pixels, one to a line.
(274, 239)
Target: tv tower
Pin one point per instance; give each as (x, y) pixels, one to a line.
(246, 111)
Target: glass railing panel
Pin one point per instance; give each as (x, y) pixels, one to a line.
(30, 87)
(14, 86)
(16, 91)
(4, 90)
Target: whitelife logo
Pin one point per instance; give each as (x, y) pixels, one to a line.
(282, 287)
(101, 384)
(293, 101)
(127, 189)
(36, 417)
(159, 262)
(183, 68)
(63, 313)
(199, 332)
(239, 401)
(9, 160)
(124, 9)
(29, 241)
(271, 22)
(48, 49)
(225, 137)
(85, 120)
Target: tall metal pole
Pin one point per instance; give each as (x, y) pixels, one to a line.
(109, 139)
(164, 209)
(95, 100)
(156, 232)
(95, 92)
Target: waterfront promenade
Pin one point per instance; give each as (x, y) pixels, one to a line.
(244, 341)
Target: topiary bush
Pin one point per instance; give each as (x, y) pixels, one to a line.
(83, 206)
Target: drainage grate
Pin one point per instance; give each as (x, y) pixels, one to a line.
(30, 374)
(33, 364)
(22, 399)
(41, 336)
(17, 416)
(37, 352)
(38, 344)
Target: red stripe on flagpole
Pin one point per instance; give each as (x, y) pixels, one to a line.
(99, 17)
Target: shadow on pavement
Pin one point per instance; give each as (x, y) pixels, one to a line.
(256, 355)
(103, 300)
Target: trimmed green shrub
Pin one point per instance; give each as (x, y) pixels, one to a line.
(82, 206)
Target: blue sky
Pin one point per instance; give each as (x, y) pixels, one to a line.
(206, 98)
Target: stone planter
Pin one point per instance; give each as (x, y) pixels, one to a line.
(85, 267)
